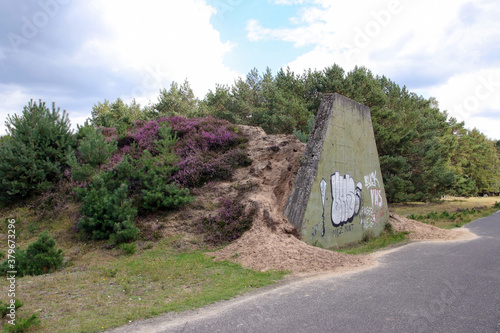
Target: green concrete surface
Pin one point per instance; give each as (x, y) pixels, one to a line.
(339, 195)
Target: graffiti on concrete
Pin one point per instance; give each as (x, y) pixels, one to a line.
(371, 215)
(371, 180)
(337, 232)
(346, 199)
(322, 187)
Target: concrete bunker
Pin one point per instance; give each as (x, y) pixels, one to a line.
(338, 196)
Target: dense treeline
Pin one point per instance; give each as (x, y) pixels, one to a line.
(424, 154)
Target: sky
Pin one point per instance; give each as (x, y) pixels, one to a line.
(78, 53)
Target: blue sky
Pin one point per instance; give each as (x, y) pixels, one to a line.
(78, 53)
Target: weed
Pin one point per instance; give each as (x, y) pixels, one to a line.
(22, 325)
(149, 233)
(4, 307)
(370, 243)
(128, 249)
(111, 272)
(367, 236)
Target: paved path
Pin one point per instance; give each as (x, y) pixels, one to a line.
(421, 287)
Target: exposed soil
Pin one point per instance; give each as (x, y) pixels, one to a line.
(420, 231)
(270, 243)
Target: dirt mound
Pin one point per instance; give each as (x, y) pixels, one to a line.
(421, 231)
(266, 185)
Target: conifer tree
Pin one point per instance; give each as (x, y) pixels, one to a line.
(34, 156)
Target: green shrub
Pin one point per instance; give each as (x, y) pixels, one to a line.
(159, 191)
(106, 211)
(128, 249)
(113, 198)
(93, 153)
(34, 156)
(22, 325)
(40, 257)
(4, 307)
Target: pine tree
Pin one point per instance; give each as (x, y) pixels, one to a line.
(34, 156)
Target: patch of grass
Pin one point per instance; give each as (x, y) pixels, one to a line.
(104, 289)
(450, 205)
(454, 219)
(370, 244)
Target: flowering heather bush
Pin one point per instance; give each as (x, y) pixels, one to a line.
(151, 169)
(229, 224)
(146, 135)
(206, 149)
(202, 134)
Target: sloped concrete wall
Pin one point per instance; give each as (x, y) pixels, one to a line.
(338, 195)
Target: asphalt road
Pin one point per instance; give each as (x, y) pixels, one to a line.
(421, 287)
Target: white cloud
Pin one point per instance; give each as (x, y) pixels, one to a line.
(427, 45)
(12, 97)
(474, 98)
(163, 41)
(135, 49)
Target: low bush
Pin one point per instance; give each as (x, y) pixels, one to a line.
(23, 324)
(40, 257)
(106, 211)
(112, 200)
(4, 307)
(208, 150)
(229, 224)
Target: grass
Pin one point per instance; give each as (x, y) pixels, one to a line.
(371, 244)
(449, 205)
(449, 213)
(102, 288)
(446, 214)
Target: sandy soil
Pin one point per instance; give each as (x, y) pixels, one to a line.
(270, 243)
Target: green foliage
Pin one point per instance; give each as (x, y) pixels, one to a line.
(128, 249)
(106, 211)
(159, 192)
(179, 100)
(478, 160)
(93, 153)
(370, 243)
(4, 307)
(423, 154)
(41, 257)
(112, 200)
(454, 219)
(118, 114)
(273, 103)
(22, 324)
(33, 157)
(304, 136)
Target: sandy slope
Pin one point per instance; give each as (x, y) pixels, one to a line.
(266, 185)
